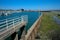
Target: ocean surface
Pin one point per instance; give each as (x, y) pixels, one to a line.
(32, 17)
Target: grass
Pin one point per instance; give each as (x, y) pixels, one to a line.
(47, 25)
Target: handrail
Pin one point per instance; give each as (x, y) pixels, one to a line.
(8, 18)
(7, 23)
(12, 23)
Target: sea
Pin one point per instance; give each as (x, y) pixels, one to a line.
(32, 17)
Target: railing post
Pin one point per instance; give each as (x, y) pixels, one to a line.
(13, 22)
(26, 18)
(6, 24)
(22, 19)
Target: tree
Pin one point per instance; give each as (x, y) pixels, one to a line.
(22, 9)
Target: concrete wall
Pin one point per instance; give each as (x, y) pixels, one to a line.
(33, 30)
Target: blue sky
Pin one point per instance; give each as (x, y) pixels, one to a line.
(30, 4)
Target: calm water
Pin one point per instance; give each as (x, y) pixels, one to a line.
(56, 19)
(32, 17)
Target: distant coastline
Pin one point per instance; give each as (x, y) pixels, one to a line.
(50, 11)
(21, 10)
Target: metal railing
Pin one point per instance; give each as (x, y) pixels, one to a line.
(11, 22)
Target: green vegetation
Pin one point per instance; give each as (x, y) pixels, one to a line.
(57, 14)
(48, 27)
(59, 17)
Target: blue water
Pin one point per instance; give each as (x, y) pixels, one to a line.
(56, 19)
(32, 17)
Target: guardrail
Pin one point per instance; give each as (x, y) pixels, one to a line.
(8, 23)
